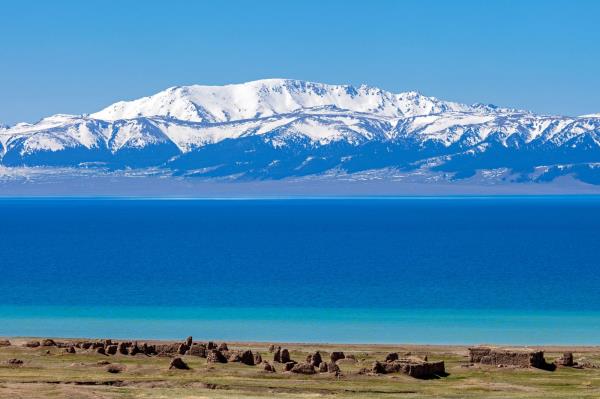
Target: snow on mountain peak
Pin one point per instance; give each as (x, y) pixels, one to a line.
(268, 97)
(307, 127)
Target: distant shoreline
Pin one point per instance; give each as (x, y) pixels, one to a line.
(21, 340)
(43, 183)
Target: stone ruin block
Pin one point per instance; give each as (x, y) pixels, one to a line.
(508, 357)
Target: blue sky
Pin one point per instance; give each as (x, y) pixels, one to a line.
(79, 56)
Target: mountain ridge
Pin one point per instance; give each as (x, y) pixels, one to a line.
(267, 97)
(279, 128)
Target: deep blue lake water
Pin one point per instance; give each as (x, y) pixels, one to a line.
(454, 270)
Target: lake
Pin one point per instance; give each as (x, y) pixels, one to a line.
(506, 270)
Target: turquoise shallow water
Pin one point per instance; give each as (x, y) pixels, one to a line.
(452, 270)
(433, 326)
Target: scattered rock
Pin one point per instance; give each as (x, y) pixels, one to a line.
(586, 364)
(115, 368)
(272, 348)
(183, 348)
(391, 357)
(384, 368)
(285, 356)
(303, 368)
(14, 362)
(149, 349)
(135, 349)
(102, 363)
(257, 358)
(100, 350)
(152, 350)
(247, 358)
(48, 342)
(335, 356)
(32, 344)
(351, 357)
(214, 356)
(566, 360)
(323, 367)
(315, 359)
(333, 368)
(122, 348)
(277, 355)
(111, 350)
(289, 366)
(233, 356)
(179, 364)
(211, 345)
(223, 347)
(4, 342)
(70, 349)
(268, 367)
(189, 340)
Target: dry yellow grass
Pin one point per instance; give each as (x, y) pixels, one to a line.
(60, 375)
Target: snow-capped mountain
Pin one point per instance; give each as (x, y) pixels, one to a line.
(265, 98)
(280, 128)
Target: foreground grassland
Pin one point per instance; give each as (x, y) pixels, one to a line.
(60, 375)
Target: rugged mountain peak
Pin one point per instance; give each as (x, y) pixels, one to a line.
(268, 97)
(275, 128)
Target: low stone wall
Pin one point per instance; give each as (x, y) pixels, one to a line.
(412, 367)
(507, 357)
